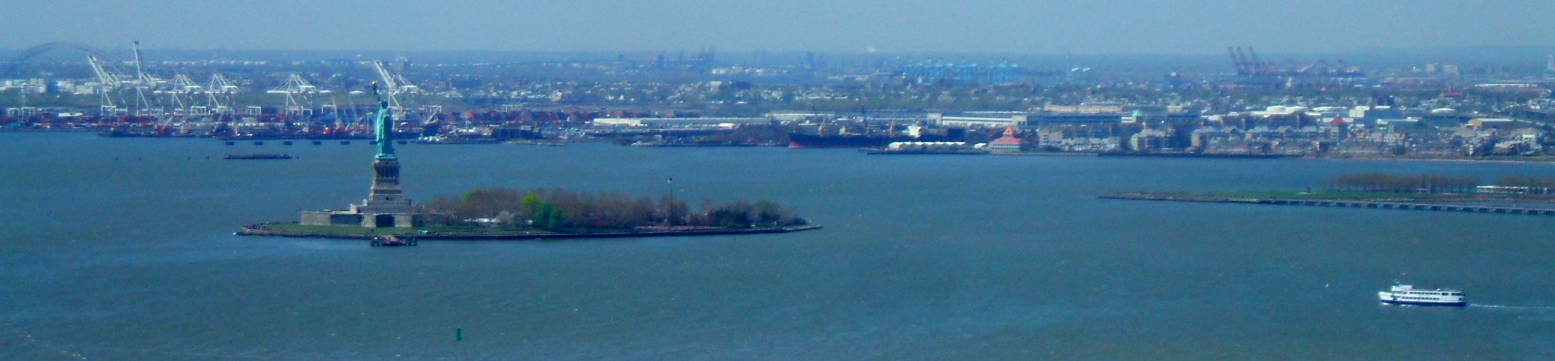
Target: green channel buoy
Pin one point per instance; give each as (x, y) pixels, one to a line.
(458, 334)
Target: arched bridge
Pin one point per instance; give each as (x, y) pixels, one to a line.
(35, 50)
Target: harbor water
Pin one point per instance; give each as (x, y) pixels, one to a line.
(122, 249)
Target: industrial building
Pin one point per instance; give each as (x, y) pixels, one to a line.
(698, 122)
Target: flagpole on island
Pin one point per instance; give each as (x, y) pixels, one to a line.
(669, 207)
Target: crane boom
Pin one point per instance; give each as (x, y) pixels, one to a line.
(218, 94)
(392, 86)
(103, 75)
(106, 84)
(141, 83)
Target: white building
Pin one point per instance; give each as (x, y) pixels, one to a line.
(1016, 120)
(678, 122)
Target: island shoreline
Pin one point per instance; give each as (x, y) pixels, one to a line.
(260, 231)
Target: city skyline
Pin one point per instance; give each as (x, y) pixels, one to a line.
(1108, 27)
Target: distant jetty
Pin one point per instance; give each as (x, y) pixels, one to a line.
(1395, 204)
(261, 156)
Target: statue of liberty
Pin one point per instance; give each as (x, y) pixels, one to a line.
(386, 205)
(383, 127)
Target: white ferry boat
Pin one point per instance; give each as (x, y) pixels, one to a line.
(1408, 295)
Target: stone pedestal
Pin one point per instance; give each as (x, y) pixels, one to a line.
(384, 196)
(385, 206)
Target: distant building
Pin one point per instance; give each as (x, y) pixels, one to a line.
(1148, 140)
(964, 72)
(1016, 120)
(1492, 123)
(1373, 113)
(1133, 118)
(1452, 70)
(678, 122)
(400, 64)
(1085, 108)
(796, 116)
(1008, 143)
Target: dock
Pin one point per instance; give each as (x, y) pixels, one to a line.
(390, 240)
(1394, 205)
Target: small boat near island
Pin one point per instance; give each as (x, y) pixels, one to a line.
(440, 139)
(390, 240)
(1401, 294)
(257, 156)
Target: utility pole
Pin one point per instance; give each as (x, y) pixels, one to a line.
(669, 208)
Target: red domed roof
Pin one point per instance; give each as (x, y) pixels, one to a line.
(1009, 137)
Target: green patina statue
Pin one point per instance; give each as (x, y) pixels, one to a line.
(384, 128)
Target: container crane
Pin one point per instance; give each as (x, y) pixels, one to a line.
(391, 88)
(396, 85)
(182, 95)
(218, 95)
(1239, 61)
(297, 91)
(142, 83)
(106, 84)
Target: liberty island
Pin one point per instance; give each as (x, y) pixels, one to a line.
(556, 214)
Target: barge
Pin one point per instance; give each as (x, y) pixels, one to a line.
(257, 156)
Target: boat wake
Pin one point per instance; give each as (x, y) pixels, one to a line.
(1550, 309)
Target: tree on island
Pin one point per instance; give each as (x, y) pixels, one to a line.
(1395, 183)
(563, 210)
(548, 217)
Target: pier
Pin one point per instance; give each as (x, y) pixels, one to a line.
(1395, 205)
(390, 240)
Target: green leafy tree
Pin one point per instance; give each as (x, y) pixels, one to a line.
(530, 204)
(549, 217)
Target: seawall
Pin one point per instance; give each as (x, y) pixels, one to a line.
(1395, 205)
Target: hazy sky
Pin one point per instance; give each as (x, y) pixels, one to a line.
(1033, 26)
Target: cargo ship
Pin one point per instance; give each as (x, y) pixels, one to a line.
(801, 140)
(959, 148)
(878, 139)
(865, 135)
(1194, 155)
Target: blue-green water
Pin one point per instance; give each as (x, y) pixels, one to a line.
(121, 249)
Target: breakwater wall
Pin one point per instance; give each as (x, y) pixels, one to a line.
(1395, 205)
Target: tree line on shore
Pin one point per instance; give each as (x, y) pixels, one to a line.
(1533, 185)
(1430, 183)
(559, 209)
(1397, 183)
